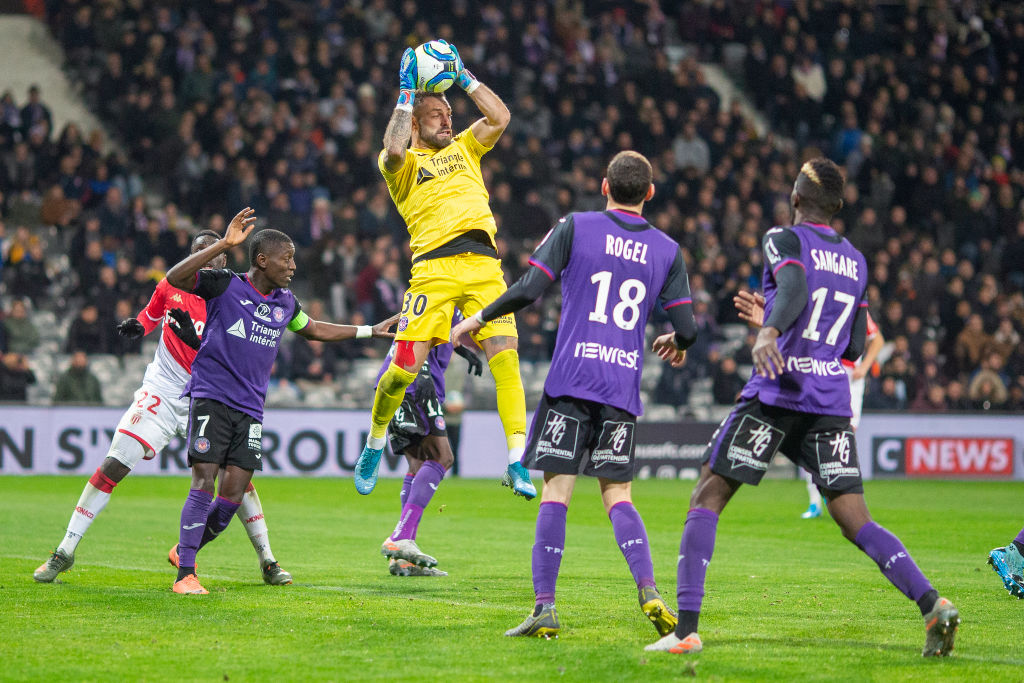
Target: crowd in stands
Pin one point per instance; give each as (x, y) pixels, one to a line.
(218, 105)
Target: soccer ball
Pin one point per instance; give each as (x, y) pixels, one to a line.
(436, 66)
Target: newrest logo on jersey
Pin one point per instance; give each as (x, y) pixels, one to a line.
(943, 456)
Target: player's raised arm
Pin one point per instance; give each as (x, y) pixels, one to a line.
(399, 130)
(319, 330)
(183, 274)
(496, 115)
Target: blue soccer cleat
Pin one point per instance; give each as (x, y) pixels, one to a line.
(813, 511)
(366, 469)
(1009, 564)
(517, 478)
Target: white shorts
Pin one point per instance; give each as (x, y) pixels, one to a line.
(856, 397)
(156, 417)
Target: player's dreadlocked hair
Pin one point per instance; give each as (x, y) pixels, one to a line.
(629, 177)
(265, 239)
(821, 183)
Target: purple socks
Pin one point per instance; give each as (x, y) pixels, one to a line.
(631, 537)
(1020, 539)
(695, 552)
(403, 495)
(422, 490)
(549, 542)
(893, 559)
(220, 516)
(193, 524)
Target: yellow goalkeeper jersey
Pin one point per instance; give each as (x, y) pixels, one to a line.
(440, 193)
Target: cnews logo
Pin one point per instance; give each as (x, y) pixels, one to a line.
(944, 456)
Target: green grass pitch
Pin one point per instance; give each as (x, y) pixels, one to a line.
(788, 599)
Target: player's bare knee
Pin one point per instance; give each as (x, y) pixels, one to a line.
(204, 476)
(439, 450)
(495, 345)
(114, 469)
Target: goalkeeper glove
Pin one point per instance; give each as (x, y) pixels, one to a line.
(465, 78)
(131, 328)
(407, 80)
(476, 366)
(183, 327)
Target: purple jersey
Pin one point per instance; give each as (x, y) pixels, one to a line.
(813, 380)
(240, 342)
(437, 362)
(613, 265)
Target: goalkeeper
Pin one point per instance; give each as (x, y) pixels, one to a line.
(434, 178)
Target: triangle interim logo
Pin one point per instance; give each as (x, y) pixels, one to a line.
(238, 329)
(423, 175)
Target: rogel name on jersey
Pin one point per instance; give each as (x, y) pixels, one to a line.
(626, 249)
(607, 354)
(831, 262)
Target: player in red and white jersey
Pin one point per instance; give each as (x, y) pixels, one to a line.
(157, 415)
(751, 308)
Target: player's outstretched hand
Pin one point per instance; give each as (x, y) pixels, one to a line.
(768, 359)
(407, 70)
(665, 347)
(240, 227)
(183, 327)
(380, 330)
(751, 307)
(466, 327)
(131, 328)
(476, 366)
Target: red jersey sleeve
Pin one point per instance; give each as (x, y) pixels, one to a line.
(872, 327)
(153, 314)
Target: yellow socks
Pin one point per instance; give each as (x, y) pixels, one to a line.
(508, 385)
(390, 392)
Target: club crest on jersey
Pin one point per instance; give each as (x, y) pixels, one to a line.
(202, 444)
(262, 312)
(278, 314)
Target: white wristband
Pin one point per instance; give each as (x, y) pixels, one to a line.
(364, 332)
(479, 317)
(404, 107)
(473, 85)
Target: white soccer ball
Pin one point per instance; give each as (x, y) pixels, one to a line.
(436, 66)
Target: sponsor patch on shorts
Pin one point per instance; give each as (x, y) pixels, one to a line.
(834, 451)
(559, 437)
(615, 445)
(403, 323)
(754, 443)
(256, 437)
(439, 422)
